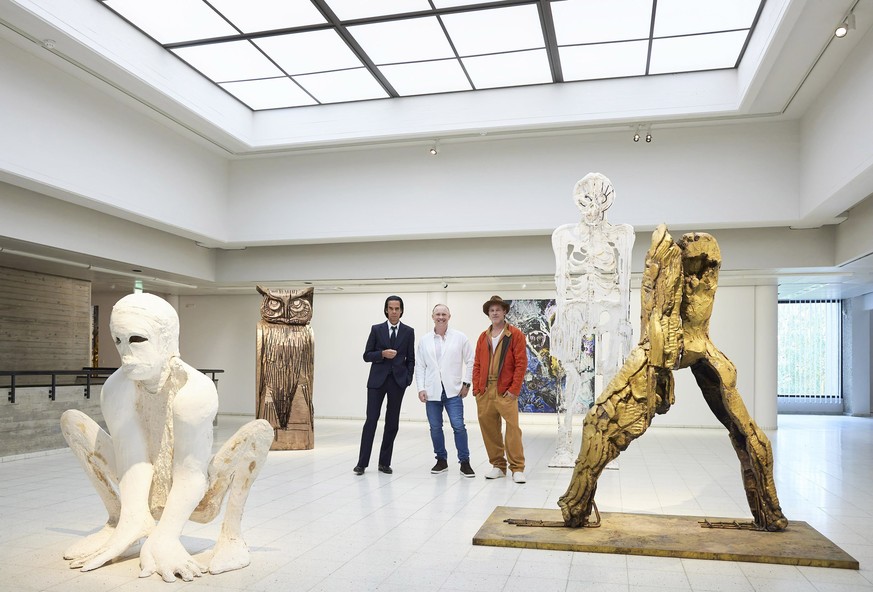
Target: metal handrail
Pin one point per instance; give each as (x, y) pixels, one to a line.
(88, 372)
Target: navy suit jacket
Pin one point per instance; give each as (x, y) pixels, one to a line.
(401, 366)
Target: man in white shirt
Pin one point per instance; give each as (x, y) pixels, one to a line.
(443, 367)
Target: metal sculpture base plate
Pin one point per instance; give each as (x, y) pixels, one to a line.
(664, 536)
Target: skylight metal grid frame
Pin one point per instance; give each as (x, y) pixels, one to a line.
(346, 29)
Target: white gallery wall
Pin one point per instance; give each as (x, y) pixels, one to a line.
(219, 332)
(687, 176)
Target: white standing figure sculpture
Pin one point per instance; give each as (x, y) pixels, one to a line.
(592, 277)
(156, 463)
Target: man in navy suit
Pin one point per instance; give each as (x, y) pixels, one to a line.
(391, 353)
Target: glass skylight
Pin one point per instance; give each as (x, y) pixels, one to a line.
(273, 54)
(582, 21)
(263, 15)
(407, 40)
(311, 51)
(272, 93)
(345, 85)
(422, 78)
(509, 69)
(223, 62)
(494, 31)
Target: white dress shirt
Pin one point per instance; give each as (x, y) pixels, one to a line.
(451, 369)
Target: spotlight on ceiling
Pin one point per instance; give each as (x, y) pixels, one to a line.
(844, 27)
(649, 137)
(637, 134)
(433, 151)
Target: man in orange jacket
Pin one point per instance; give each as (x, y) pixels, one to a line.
(498, 371)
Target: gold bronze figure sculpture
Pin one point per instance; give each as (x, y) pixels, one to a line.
(285, 367)
(678, 291)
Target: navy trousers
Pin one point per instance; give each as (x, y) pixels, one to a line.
(375, 397)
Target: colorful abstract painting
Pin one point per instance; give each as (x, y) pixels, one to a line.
(539, 392)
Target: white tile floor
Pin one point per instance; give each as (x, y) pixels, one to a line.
(313, 525)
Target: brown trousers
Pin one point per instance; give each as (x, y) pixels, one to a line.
(491, 407)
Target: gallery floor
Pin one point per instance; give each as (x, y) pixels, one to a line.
(312, 524)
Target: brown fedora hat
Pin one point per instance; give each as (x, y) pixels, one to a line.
(495, 300)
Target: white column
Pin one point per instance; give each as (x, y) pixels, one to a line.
(860, 351)
(766, 356)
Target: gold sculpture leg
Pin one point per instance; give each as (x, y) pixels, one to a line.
(750, 443)
(678, 291)
(716, 376)
(621, 415)
(643, 386)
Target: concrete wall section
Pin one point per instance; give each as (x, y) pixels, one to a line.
(45, 323)
(33, 422)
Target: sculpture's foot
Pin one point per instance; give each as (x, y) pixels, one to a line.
(90, 544)
(774, 523)
(581, 519)
(230, 554)
(562, 458)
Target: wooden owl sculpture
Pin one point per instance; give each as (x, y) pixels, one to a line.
(285, 366)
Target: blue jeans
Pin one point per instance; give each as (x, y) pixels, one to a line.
(454, 407)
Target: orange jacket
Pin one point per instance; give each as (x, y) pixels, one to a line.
(511, 368)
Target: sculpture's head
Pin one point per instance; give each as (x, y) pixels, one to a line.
(593, 195)
(145, 329)
(286, 307)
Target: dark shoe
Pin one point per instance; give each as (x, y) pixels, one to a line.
(466, 469)
(359, 470)
(385, 469)
(441, 466)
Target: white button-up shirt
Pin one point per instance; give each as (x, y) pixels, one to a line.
(450, 369)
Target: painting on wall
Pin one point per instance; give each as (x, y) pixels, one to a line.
(539, 392)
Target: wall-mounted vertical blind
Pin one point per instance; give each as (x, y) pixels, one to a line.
(809, 351)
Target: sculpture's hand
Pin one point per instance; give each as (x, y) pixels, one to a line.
(127, 533)
(168, 558)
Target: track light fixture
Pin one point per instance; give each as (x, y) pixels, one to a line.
(844, 27)
(433, 151)
(643, 131)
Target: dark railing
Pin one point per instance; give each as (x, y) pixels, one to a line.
(84, 377)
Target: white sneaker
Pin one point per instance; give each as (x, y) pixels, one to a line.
(495, 473)
(519, 477)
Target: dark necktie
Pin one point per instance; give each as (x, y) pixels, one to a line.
(393, 336)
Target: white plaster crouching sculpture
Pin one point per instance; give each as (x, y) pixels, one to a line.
(592, 277)
(155, 462)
